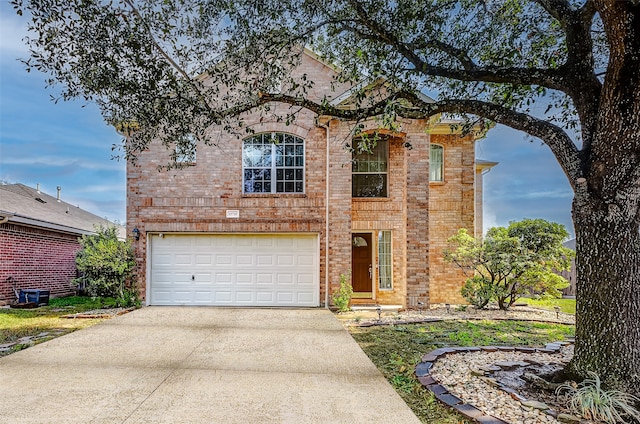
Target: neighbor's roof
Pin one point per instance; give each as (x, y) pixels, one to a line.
(24, 205)
(571, 244)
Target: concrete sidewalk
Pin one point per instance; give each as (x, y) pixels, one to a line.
(200, 365)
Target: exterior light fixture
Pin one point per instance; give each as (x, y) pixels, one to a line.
(136, 233)
(379, 311)
(448, 306)
(420, 306)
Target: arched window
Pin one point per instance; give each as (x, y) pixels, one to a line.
(273, 163)
(436, 163)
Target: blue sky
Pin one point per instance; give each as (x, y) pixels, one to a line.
(68, 144)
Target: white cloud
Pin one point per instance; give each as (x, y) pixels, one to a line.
(13, 29)
(489, 220)
(104, 188)
(56, 161)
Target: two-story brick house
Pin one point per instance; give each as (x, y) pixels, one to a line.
(275, 218)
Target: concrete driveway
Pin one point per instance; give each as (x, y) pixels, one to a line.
(200, 365)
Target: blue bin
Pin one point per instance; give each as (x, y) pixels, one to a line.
(40, 297)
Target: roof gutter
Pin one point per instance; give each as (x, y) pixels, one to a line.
(31, 222)
(326, 216)
(5, 216)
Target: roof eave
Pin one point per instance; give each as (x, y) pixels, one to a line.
(31, 222)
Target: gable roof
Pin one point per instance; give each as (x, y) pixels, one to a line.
(24, 205)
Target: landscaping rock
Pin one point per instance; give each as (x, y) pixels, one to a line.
(484, 393)
(568, 418)
(536, 405)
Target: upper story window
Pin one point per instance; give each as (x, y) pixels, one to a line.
(436, 163)
(273, 163)
(186, 150)
(369, 171)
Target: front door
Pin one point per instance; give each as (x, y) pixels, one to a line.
(361, 262)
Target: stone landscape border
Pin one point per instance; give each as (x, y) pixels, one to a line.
(375, 322)
(441, 392)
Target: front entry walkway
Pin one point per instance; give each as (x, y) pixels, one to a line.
(200, 365)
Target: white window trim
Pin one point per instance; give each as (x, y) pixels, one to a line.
(441, 180)
(274, 167)
(386, 173)
(380, 288)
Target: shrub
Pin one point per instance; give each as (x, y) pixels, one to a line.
(508, 263)
(593, 402)
(342, 296)
(106, 265)
(478, 291)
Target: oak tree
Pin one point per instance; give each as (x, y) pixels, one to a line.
(564, 71)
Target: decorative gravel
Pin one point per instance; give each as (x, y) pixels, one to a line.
(439, 312)
(459, 373)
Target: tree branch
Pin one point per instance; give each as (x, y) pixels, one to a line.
(550, 78)
(196, 88)
(553, 136)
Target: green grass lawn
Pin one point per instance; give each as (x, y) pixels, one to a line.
(17, 323)
(397, 349)
(566, 305)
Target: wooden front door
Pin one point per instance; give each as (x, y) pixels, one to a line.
(361, 263)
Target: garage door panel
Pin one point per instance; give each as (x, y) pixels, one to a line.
(181, 278)
(182, 296)
(183, 259)
(244, 260)
(240, 269)
(163, 277)
(305, 260)
(304, 298)
(222, 260)
(183, 242)
(204, 260)
(203, 297)
(286, 260)
(223, 278)
(305, 279)
(202, 278)
(264, 279)
(285, 279)
(264, 260)
(223, 297)
(244, 279)
(285, 297)
(245, 297)
(264, 297)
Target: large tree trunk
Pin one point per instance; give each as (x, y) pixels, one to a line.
(606, 216)
(608, 300)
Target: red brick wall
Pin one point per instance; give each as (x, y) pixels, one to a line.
(420, 215)
(36, 259)
(451, 206)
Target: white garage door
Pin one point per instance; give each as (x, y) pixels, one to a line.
(235, 269)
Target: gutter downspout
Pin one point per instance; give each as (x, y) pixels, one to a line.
(326, 217)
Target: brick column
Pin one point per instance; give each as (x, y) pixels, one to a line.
(417, 258)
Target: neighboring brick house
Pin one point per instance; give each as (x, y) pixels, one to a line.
(38, 241)
(274, 219)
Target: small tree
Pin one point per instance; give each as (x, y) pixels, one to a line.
(511, 262)
(106, 264)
